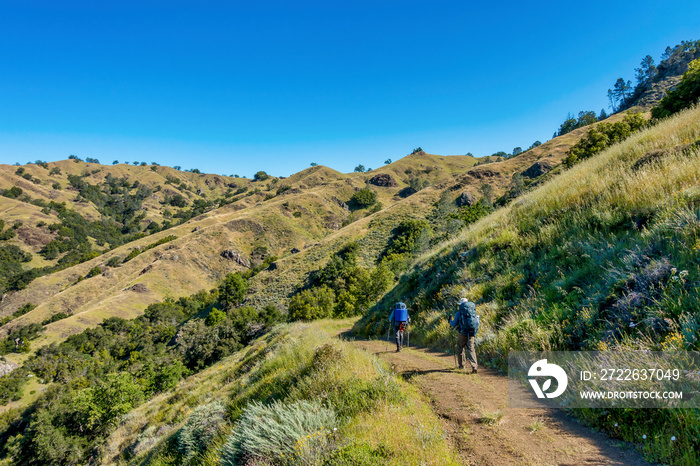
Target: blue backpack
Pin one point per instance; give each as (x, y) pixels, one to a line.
(400, 313)
(468, 320)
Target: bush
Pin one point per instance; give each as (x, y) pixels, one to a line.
(297, 433)
(55, 318)
(23, 310)
(603, 136)
(215, 317)
(365, 197)
(114, 261)
(13, 193)
(312, 304)
(233, 290)
(260, 176)
(95, 271)
(409, 237)
(200, 429)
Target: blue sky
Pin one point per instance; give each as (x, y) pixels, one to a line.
(237, 87)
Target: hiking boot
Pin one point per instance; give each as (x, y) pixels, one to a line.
(473, 371)
(461, 367)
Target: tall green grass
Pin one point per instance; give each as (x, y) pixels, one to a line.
(602, 257)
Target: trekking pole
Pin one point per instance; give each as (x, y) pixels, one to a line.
(454, 347)
(408, 341)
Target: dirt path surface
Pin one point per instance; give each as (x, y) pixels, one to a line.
(485, 430)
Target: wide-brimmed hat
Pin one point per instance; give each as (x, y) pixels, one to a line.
(463, 300)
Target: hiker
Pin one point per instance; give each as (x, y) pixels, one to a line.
(466, 322)
(399, 318)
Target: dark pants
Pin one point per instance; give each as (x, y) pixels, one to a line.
(466, 344)
(398, 335)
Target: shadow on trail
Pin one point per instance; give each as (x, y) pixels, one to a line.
(410, 374)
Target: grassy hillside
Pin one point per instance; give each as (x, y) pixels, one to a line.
(604, 256)
(325, 402)
(296, 213)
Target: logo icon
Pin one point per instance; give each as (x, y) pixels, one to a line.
(542, 369)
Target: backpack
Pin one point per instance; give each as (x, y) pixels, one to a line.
(468, 320)
(400, 313)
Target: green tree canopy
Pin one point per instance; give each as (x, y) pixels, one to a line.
(232, 290)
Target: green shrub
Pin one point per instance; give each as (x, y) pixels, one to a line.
(359, 454)
(260, 176)
(23, 310)
(114, 261)
(296, 433)
(95, 271)
(410, 236)
(233, 290)
(215, 317)
(603, 136)
(201, 428)
(316, 303)
(365, 197)
(134, 252)
(55, 318)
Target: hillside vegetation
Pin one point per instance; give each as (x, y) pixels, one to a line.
(602, 257)
(324, 402)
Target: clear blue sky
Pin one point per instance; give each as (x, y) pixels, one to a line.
(236, 87)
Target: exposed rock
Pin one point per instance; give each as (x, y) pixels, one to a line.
(273, 266)
(466, 199)
(342, 204)
(484, 173)
(383, 179)
(107, 274)
(538, 169)
(138, 288)
(235, 256)
(6, 367)
(196, 229)
(232, 185)
(295, 251)
(146, 269)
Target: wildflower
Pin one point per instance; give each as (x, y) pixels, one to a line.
(644, 436)
(632, 324)
(616, 424)
(673, 439)
(683, 274)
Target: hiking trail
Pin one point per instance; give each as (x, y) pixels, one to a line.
(484, 430)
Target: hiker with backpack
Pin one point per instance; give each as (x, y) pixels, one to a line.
(466, 322)
(400, 320)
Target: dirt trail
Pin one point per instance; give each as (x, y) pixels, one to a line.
(470, 405)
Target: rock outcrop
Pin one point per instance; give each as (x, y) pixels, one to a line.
(538, 169)
(235, 256)
(384, 180)
(465, 199)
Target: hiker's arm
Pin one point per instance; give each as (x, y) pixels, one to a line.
(452, 322)
(391, 317)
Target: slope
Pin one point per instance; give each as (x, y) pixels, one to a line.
(603, 256)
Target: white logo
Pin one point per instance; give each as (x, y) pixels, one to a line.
(542, 369)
